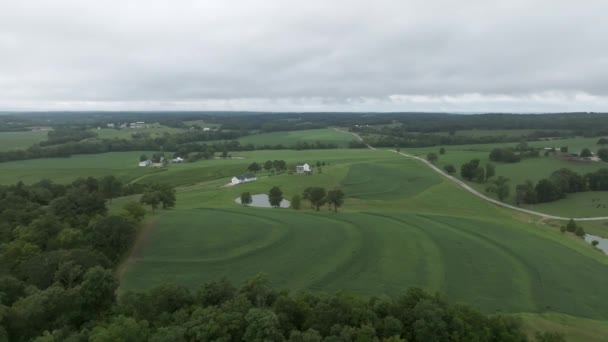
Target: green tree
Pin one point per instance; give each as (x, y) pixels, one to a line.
(134, 210)
(549, 337)
(469, 170)
(262, 325)
(500, 186)
(480, 175)
(335, 198)
(296, 202)
(490, 170)
(275, 197)
(121, 329)
(594, 243)
(268, 165)
(112, 235)
(571, 226)
(450, 169)
(316, 196)
(586, 153)
(579, 231)
(442, 151)
(254, 167)
(547, 191)
(143, 157)
(525, 193)
(432, 157)
(151, 198)
(602, 153)
(110, 187)
(246, 198)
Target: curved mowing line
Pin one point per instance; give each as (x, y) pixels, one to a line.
(323, 280)
(437, 281)
(531, 271)
(286, 235)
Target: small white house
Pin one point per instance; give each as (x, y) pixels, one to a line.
(244, 178)
(177, 160)
(145, 163)
(303, 168)
(206, 129)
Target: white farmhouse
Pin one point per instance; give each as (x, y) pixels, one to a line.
(244, 178)
(145, 163)
(177, 160)
(303, 168)
(206, 129)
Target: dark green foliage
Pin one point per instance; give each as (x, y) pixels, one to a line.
(500, 186)
(111, 235)
(254, 167)
(580, 232)
(547, 191)
(296, 202)
(450, 169)
(110, 187)
(268, 165)
(134, 210)
(602, 153)
(602, 141)
(157, 194)
(490, 170)
(316, 196)
(549, 337)
(246, 198)
(585, 153)
(275, 197)
(442, 151)
(563, 149)
(594, 243)
(335, 198)
(432, 157)
(505, 155)
(571, 226)
(469, 170)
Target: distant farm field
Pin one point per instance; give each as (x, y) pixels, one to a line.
(402, 225)
(325, 136)
(20, 140)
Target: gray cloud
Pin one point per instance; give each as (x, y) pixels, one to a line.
(304, 55)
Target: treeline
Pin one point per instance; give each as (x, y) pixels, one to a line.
(62, 135)
(516, 154)
(218, 311)
(382, 139)
(559, 184)
(58, 247)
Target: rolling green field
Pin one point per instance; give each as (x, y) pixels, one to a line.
(401, 226)
(534, 169)
(20, 140)
(126, 133)
(325, 135)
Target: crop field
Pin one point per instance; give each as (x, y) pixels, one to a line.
(325, 135)
(20, 140)
(496, 132)
(126, 133)
(401, 226)
(63, 170)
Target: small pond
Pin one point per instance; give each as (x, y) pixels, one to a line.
(603, 242)
(261, 200)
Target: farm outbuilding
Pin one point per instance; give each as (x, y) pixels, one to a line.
(244, 178)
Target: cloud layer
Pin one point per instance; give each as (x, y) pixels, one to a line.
(279, 55)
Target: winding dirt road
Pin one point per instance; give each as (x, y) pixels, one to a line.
(477, 193)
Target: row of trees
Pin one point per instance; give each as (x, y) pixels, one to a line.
(269, 165)
(255, 311)
(472, 170)
(559, 184)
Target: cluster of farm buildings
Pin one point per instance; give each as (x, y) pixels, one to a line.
(250, 177)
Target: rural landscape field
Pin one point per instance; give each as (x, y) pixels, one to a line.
(403, 219)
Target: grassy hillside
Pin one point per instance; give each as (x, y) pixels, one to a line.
(20, 140)
(401, 226)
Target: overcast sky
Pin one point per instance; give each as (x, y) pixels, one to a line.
(305, 55)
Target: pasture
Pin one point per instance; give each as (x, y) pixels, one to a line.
(290, 138)
(154, 130)
(401, 226)
(20, 140)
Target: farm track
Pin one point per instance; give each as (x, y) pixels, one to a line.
(477, 193)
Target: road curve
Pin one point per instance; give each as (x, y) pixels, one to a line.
(477, 193)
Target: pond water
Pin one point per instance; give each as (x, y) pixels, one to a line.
(603, 242)
(261, 200)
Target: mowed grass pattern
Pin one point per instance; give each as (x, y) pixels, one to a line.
(385, 240)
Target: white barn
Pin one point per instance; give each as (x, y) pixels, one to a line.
(145, 163)
(303, 168)
(244, 178)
